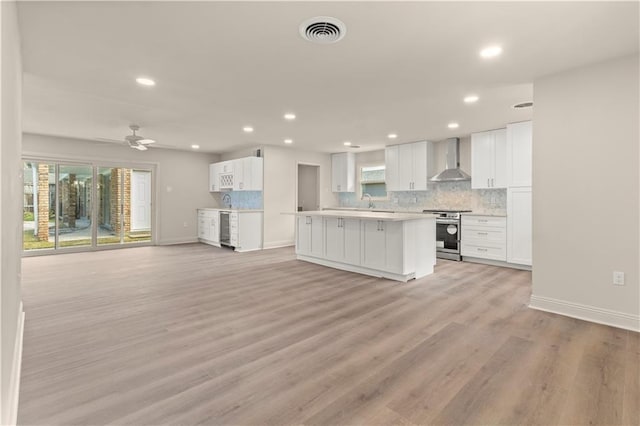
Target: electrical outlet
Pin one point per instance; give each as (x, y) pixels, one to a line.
(185, 224)
(618, 278)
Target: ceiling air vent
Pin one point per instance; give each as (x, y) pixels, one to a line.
(323, 30)
(522, 105)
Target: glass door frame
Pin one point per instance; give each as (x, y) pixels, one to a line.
(95, 165)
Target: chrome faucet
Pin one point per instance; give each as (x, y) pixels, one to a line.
(371, 205)
(226, 200)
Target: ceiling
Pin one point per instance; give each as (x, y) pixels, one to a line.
(403, 67)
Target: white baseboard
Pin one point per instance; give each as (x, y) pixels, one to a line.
(172, 241)
(278, 244)
(586, 312)
(14, 384)
(360, 269)
(496, 263)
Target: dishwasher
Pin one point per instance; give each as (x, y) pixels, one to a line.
(225, 232)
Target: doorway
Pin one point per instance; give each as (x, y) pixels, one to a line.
(308, 196)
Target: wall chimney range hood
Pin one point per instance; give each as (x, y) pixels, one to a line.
(452, 172)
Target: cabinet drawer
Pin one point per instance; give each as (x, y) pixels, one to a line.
(484, 235)
(484, 251)
(493, 221)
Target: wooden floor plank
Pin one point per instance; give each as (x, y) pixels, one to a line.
(193, 334)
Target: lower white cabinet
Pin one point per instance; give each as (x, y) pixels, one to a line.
(519, 230)
(382, 245)
(209, 226)
(310, 236)
(342, 239)
(245, 229)
(395, 249)
(484, 237)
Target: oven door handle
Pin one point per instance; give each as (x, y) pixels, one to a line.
(448, 221)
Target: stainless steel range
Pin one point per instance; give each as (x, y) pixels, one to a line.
(447, 233)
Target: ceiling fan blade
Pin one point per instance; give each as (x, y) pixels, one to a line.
(146, 141)
(140, 147)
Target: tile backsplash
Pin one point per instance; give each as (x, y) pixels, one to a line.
(439, 195)
(249, 200)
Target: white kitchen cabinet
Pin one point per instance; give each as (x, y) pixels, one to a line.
(214, 178)
(243, 174)
(245, 230)
(407, 166)
(247, 174)
(342, 240)
(382, 245)
(343, 172)
(398, 248)
(489, 159)
(519, 154)
(310, 236)
(484, 237)
(519, 229)
(209, 226)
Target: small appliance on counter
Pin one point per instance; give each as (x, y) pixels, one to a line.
(447, 233)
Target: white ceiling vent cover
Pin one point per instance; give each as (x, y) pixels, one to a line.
(323, 30)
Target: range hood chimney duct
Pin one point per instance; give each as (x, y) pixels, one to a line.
(452, 172)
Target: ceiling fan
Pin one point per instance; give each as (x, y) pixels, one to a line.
(136, 141)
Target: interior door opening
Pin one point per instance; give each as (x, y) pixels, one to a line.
(308, 196)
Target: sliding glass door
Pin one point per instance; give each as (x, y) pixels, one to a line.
(85, 206)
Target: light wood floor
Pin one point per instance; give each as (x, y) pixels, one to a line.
(192, 334)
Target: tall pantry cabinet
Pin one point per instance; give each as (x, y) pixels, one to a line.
(519, 193)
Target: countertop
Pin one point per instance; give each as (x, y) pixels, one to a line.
(373, 215)
(484, 214)
(230, 209)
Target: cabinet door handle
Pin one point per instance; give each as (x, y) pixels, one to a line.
(338, 187)
(488, 183)
(483, 233)
(483, 220)
(492, 184)
(308, 221)
(482, 249)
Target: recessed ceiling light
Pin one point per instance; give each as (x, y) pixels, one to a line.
(392, 136)
(453, 125)
(144, 81)
(288, 141)
(491, 51)
(470, 99)
(247, 129)
(347, 143)
(195, 146)
(289, 116)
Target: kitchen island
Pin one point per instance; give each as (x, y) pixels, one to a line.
(397, 246)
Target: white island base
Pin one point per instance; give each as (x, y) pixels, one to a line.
(396, 246)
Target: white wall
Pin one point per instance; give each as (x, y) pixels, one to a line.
(586, 192)
(182, 178)
(10, 211)
(280, 168)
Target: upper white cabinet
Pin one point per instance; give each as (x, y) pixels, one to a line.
(519, 153)
(247, 174)
(407, 166)
(343, 172)
(243, 174)
(489, 159)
